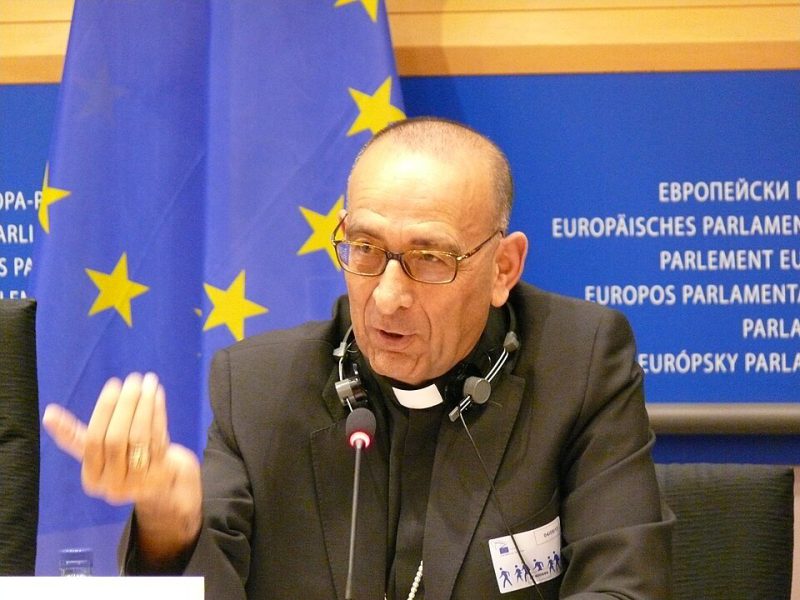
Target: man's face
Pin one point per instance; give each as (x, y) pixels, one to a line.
(401, 200)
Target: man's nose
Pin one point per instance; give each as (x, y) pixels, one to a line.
(394, 289)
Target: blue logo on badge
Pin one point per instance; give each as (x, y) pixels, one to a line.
(501, 547)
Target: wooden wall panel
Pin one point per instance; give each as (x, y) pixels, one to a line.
(479, 37)
(33, 39)
(462, 37)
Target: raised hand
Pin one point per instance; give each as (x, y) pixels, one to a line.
(126, 456)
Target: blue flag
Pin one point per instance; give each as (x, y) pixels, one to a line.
(199, 159)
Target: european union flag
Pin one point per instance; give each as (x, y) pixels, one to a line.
(199, 159)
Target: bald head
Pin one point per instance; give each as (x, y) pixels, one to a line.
(447, 139)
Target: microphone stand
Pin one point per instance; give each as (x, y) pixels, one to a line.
(348, 591)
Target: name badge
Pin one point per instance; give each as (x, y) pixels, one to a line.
(541, 551)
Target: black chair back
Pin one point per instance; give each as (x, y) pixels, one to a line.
(735, 530)
(19, 438)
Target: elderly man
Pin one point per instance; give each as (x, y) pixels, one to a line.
(512, 452)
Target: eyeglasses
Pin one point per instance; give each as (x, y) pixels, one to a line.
(426, 266)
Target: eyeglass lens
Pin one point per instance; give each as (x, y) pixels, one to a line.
(423, 265)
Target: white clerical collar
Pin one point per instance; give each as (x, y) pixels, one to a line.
(422, 398)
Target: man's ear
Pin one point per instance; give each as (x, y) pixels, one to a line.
(509, 263)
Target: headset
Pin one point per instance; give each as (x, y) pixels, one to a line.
(475, 390)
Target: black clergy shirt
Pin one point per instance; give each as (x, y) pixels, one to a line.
(406, 439)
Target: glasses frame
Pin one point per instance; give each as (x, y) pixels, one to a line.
(399, 256)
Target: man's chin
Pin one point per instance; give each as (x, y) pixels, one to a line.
(395, 366)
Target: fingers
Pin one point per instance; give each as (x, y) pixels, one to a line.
(124, 447)
(139, 432)
(67, 431)
(125, 438)
(159, 434)
(94, 455)
(139, 441)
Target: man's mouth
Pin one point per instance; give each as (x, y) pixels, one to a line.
(391, 339)
(391, 334)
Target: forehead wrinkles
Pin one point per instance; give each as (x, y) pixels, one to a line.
(405, 232)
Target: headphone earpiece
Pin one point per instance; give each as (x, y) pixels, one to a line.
(478, 389)
(468, 381)
(350, 390)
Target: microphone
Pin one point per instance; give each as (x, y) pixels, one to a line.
(360, 429)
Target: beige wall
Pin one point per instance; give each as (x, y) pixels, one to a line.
(454, 37)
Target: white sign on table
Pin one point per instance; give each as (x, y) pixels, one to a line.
(101, 588)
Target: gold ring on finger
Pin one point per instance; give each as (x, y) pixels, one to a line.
(138, 457)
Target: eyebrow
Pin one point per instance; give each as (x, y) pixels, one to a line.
(418, 242)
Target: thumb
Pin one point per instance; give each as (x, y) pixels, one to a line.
(66, 429)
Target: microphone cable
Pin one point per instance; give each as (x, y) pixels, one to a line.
(499, 506)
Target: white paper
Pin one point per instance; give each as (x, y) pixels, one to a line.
(541, 549)
(103, 588)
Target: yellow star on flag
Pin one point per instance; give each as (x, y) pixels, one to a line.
(375, 111)
(116, 290)
(371, 6)
(231, 307)
(322, 226)
(50, 195)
